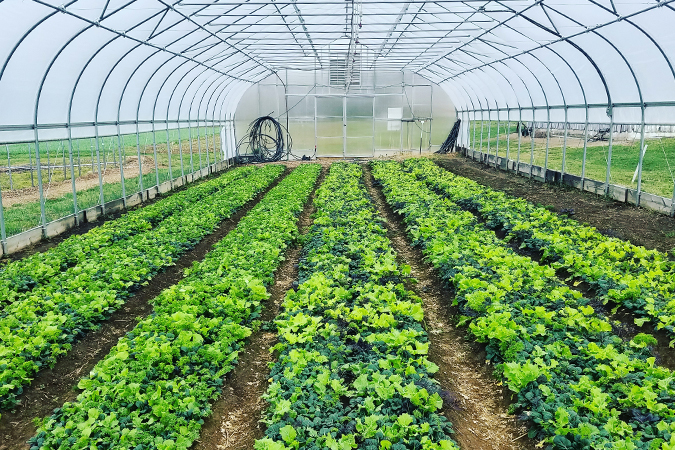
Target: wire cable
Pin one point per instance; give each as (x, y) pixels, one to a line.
(264, 142)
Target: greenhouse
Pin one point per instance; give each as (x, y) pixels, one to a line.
(306, 224)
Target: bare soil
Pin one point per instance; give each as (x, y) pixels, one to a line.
(640, 226)
(235, 421)
(52, 387)
(478, 404)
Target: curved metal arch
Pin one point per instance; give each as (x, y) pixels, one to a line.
(625, 60)
(222, 104)
(487, 75)
(468, 96)
(75, 36)
(548, 47)
(515, 94)
(561, 39)
(481, 68)
(220, 91)
(173, 91)
(576, 75)
(201, 100)
(25, 35)
(658, 46)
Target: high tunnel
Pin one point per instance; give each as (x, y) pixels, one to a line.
(83, 81)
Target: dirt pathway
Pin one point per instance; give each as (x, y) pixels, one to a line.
(235, 421)
(478, 411)
(52, 387)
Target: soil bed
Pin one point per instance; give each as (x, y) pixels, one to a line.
(665, 355)
(235, 420)
(53, 387)
(477, 404)
(638, 225)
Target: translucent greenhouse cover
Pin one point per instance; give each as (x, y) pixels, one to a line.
(113, 64)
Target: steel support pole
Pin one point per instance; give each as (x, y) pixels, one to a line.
(180, 150)
(3, 229)
(548, 142)
(206, 148)
(344, 126)
(642, 156)
(583, 161)
(192, 165)
(532, 132)
(100, 174)
(609, 153)
(564, 149)
(168, 151)
(520, 136)
(9, 168)
(119, 147)
(489, 136)
(508, 137)
(315, 128)
(474, 130)
(154, 150)
(199, 148)
(215, 149)
(497, 146)
(72, 175)
(140, 162)
(481, 132)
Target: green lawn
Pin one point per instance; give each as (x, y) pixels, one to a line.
(23, 217)
(658, 171)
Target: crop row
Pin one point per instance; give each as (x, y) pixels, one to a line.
(580, 385)
(37, 329)
(642, 280)
(155, 387)
(19, 277)
(352, 368)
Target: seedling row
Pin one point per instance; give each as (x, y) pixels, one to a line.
(351, 366)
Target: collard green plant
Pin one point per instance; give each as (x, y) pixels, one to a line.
(37, 329)
(352, 368)
(155, 388)
(580, 385)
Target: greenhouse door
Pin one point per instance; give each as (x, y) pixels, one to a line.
(344, 125)
(359, 126)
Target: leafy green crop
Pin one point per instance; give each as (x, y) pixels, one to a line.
(155, 387)
(352, 370)
(642, 280)
(18, 278)
(580, 385)
(36, 330)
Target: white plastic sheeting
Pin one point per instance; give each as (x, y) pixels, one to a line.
(94, 65)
